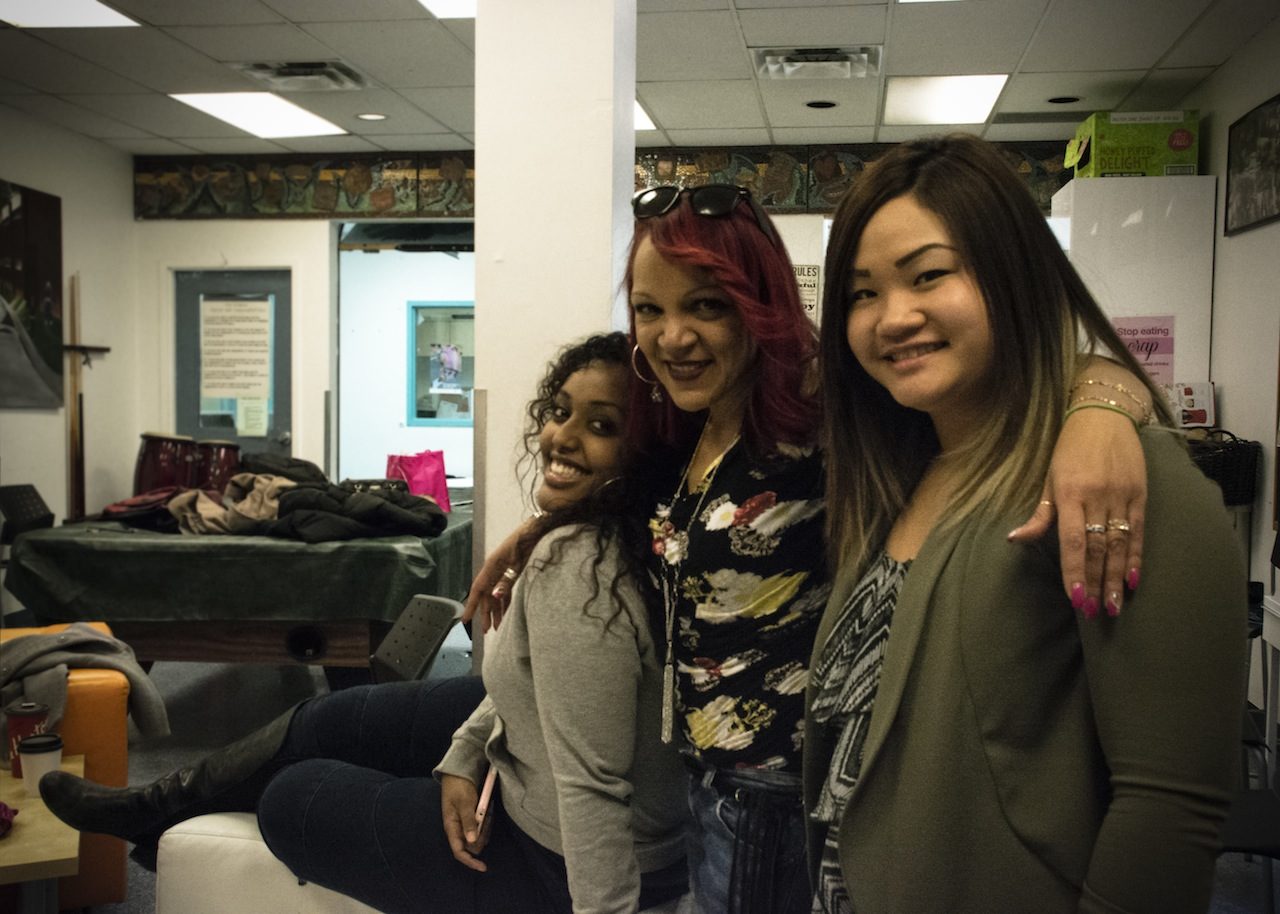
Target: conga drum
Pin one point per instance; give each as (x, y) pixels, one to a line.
(164, 460)
(216, 463)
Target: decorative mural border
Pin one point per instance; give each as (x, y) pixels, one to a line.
(406, 185)
(416, 185)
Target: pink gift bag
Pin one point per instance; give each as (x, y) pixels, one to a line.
(423, 472)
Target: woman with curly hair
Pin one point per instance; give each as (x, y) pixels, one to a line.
(586, 815)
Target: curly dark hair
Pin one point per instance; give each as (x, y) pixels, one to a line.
(618, 509)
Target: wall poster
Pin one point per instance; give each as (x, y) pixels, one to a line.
(30, 298)
(235, 348)
(807, 278)
(1150, 339)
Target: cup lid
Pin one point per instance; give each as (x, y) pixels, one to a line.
(43, 742)
(24, 708)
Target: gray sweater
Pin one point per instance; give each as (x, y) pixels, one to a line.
(34, 667)
(571, 721)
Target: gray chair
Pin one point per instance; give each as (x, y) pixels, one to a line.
(413, 642)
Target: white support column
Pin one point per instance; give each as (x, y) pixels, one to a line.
(555, 157)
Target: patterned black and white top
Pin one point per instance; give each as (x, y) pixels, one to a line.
(846, 678)
(750, 578)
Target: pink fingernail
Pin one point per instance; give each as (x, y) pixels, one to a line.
(1090, 608)
(1077, 596)
(1113, 604)
(1132, 579)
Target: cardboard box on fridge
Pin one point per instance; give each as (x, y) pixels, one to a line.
(1136, 143)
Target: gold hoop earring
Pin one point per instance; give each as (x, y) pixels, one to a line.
(655, 389)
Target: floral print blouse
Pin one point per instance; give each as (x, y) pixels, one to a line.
(750, 580)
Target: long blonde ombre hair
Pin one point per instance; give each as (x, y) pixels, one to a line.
(1043, 322)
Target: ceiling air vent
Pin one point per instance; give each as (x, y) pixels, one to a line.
(817, 63)
(304, 76)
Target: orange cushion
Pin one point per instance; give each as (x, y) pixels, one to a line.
(94, 725)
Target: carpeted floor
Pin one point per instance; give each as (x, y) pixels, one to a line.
(212, 704)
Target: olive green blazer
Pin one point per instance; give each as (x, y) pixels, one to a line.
(1023, 759)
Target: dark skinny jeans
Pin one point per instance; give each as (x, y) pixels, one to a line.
(354, 808)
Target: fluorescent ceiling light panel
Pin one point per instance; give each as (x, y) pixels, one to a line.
(941, 99)
(643, 121)
(451, 9)
(260, 113)
(61, 14)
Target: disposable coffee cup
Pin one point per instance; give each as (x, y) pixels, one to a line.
(40, 755)
(23, 718)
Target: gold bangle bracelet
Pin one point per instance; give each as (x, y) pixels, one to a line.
(1119, 388)
(1094, 403)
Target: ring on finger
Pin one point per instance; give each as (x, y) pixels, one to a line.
(1118, 524)
(1095, 528)
(1046, 502)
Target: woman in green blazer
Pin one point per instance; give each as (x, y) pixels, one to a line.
(972, 743)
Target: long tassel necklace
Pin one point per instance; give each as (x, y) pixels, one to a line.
(672, 545)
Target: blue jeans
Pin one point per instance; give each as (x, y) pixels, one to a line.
(717, 815)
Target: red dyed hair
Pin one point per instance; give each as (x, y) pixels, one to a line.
(757, 278)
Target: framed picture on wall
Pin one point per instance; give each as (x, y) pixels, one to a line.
(1253, 168)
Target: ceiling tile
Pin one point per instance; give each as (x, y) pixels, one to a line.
(347, 11)
(279, 42)
(801, 136)
(224, 12)
(150, 58)
(819, 26)
(73, 117)
(1106, 35)
(152, 147)
(424, 142)
(1221, 33)
(225, 146)
(1020, 133)
(743, 137)
(341, 108)
(401, 54)
(1165, 89)
(675, 6)
(856, 101)
(798, 4)
(647, 139)
(937, 39)
(705, 103)
(455, 108)
(157, 114)
(462, 29)
(50, 69)
(1097, 91)
(699, 45)
(328, 144)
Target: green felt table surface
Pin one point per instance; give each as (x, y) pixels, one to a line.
(104, 570)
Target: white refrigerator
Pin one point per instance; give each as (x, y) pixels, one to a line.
(1144, 247)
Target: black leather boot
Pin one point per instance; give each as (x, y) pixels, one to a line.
(231, 779)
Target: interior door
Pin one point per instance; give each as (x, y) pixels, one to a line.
(232, 358)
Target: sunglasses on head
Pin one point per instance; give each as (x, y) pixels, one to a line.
(708, 200)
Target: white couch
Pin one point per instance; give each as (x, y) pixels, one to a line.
(219, 864)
